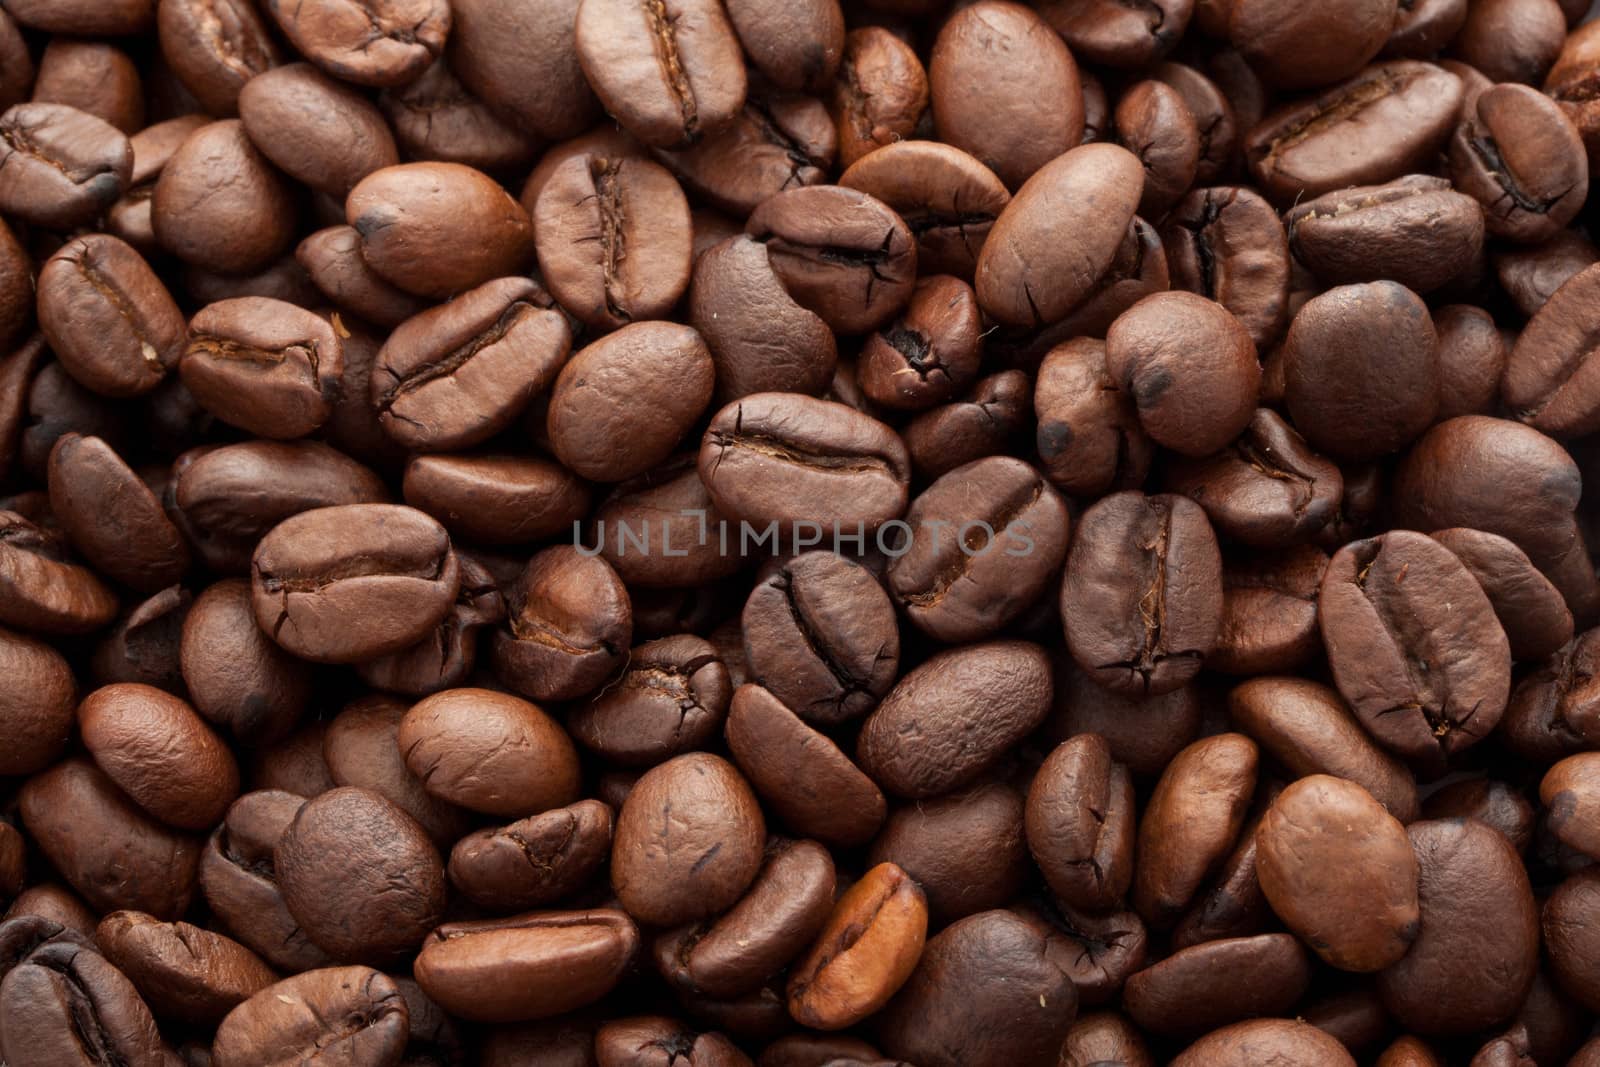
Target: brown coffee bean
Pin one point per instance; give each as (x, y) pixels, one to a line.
(991, 418)
(1567, 793)
(220, 205)
(535, 861)
(928, 736)
(361, 751)
(1191, 821)
(437, 118)
(459, 373)
(1205, 987)
(1143, 733)
(1148, 636)
(111, 516)
(966, 850)
(688, 841)
(523, 62)
(130, 861)
(65, 1004)
(529, 966)
(776, 142)
(369, 42)
(880, 93)
(360, 876)
(986, 968)
(671, 698)
(864, 954)
(1417, 231)
(656, 530)
(657, 1041)
(316, 574)
(36, 718)
(1080, 824)
(614, 239)
(497, 499)
(214, 47)
(797, 48)
(1479, 938)
(489, 752)
(1226, 244)
(1530, 609)
(1362, 370)
(60, 167)
(1531, 275)
(108, 318)
(1522, 158)
(669, 74)
(332, 258)
(930, 353)
(839, 252)
(353, 1008)
(263, 365)
(1096, 951)
(1554, 710)
(316, 130)
(805, 778)
(1231, 903)
(1119, 36)
(1472, 361)
(1424, 689)
(625, 402)
(1089, 439)
(1049, 247)
(413, 217)
(1263, 1040)
(186, 973)
(1155, 124)
(1545, 383)
(1104, 1037)
(40, 589)
(569, 624)
(1491, 802)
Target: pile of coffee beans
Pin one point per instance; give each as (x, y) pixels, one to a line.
(799, 533)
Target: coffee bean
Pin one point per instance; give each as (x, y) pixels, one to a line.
(60, 167)
(1530, 609)
(65, 1004)
(1263, 1039)
(880, 93)
(523, 62)
(989, 419)
(1150, 636)
(489, 752)
(1226, 244)
(37, 718)
(1553, 711)
(700, 860)
(437, 118)
(1270, 35)
(656, 530)
(459, 373)
(669, 74)
(928, 735)
(1089, 439)
(186, 973)
(1192, 819)
(671, 698)
(1105, 1037)
(1199, 989)
(533, 862)
(1570, 935)
(351, 845)
(527, 966)
(798, 48)
(1119, 36)
(316, 130)
(1472, 361)
(1424, 689)
(1417, 231)
(1096, 951)
(777, 141)
(369, 42)
(625, 402)
(112, 517)
(1511, 40)
(263, 365)
(1081, 824)
(497, 499)
(966, 850)
(569, 624)
(108, 318)
(315, 574)
(356, 1007)
(40, 589)
(1155, 124)
(1522, 158)
(437, 229)
(220, 205)
(656, 1041)
(864, 954)
(215, 48)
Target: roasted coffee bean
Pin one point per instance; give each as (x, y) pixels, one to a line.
(459, 373)
(656, 530)
(1425, 689)
(1231, 903)
(1545, 383)
(864, 954)
(1553, 710)
(1314, 147)
(489, 752)
(613, 239)
(527, 966)
(1057, 237)
(437, 118)
(1116, 35)
(437, 229)
(1530, 609)
(1271, 38)
(214, 49)
(1149, 636)
(343, 584)
(671, 698)
(1191, 821)
(143, 646)
(948, 199)
(1531, 275)
(1196, 990)
(688, 841)
(220, 205)
(263, 365)
(357, 1010)
(1143, 733)
(1417, 231)
(792, 460)
(1567, 791)
(36, 717)
(1096, 951)
(348, 846)
(313, 128)
(60, 167)
(332, 257)
(1512, 40)
(879, 94)
(41, 589)
(839, 252)
(776, 142)
(569, 624)
(1262, 1041)
(1472, 361)
(186, 973)
(657, 1041)
(112, 517)
(1155, 124)
(624, 403)
(797, 48)
(497, 499)
(1226, 244)
(93, 77)
(1104, 1037)
(108, 318)
(1570, 937)
(989, 419)
(1080, 824)
(522, 62)
(668, 74)
(1522, 158)
(361, 751)
(985, 968)
(1479, 936)
(1089, 439)
(104, 846)
(535, 861)
(967, 849)
(1361, 370)
(929, 354)
(65, 1004)
(1491, 802)
(806, 779)
(987, 539)
(929, 736)
(371, 42)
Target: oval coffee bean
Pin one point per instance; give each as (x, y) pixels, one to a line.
(65, 1004)
(60, 167)
(332, 258)
(1269, 612)
(1226, 244)
(1146, 636)
(40, 589)
(360, 876)
(1567, 792)
(1414, 645)
(929, 354)
(369, 42)
(1080, 824)
(1205, 987)
(263, 365)
(186, 973)
(112, 517)
(235, 675)
(219, 204)
(108, 318)
(531, 966)
(1337, 868)
(535, 861)
(1547, 381)
(1089, 438)
(967, 849)
(880, 93)
(316, 130)
(498, 498)
(361, 750)
(214, 48)
(671, 698)
(1262, 1041)
(1530, 609)
(569, 624)
(688, 841)
(489, 752)
(864, 954)
(36, 718)
(355, 1009)
(343, 584)
(955, 716)
(1521, 157)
